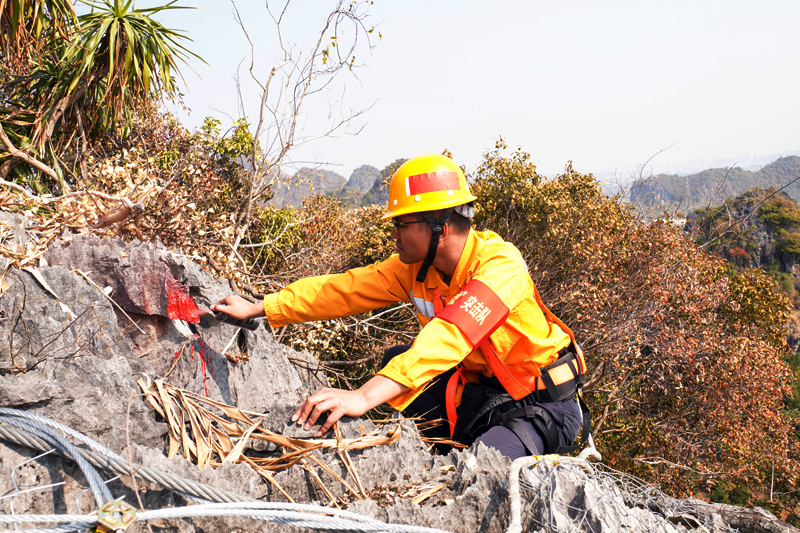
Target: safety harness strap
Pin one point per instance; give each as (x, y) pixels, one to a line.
(586, 428)
(511, 380)
(450, 397)
(552, 378)
(539, 418)
(542, 420)
(519, 430)
(553, 318)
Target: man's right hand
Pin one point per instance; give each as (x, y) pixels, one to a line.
(237, 307)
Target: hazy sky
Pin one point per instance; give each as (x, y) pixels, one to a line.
(604, 84)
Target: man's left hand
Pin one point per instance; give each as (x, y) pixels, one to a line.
(338, 403)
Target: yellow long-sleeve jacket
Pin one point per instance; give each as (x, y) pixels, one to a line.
(525, 341)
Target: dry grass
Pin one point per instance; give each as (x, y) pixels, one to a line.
(211, 433)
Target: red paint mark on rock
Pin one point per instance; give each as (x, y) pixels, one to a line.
(206, 363)
(179, 304)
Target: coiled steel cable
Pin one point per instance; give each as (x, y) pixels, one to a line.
(122, 467)
(35, 436)
(513, 478)
(57, 441)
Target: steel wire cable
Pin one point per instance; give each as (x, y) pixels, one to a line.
(122, 467)
(57, 441)
(93, 444)
(297, 515)
(271, 507)
(67, 528)
(37, 518)
(301, 515)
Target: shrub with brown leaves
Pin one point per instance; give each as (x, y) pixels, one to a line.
(686, 357)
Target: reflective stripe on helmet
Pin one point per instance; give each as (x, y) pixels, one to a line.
(432, 182)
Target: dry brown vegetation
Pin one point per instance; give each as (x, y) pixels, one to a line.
(687, 355)
(687, 372)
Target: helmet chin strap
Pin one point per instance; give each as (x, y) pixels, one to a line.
(437, 227)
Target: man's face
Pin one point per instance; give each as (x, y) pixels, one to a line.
(412, 237)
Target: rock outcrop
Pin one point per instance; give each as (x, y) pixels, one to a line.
(78, 331)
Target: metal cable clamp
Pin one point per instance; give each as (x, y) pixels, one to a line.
(115, 515)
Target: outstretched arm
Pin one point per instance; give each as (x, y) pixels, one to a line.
(338, 403)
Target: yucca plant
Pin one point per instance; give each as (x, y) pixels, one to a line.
(28, 28)
(120, 59)
(89, 80)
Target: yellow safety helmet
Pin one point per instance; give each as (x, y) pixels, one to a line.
(427, 183)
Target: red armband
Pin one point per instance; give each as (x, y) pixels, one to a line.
(476, 310)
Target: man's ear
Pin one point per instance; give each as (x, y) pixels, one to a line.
(446, 229)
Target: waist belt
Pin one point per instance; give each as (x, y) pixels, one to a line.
(560, 379)
(557, 381)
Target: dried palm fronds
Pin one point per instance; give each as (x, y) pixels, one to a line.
(211, 433)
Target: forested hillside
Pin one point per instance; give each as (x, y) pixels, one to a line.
(671, 192)
(759, 230)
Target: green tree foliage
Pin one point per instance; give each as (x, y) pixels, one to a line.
(759, 229)
(779, 212)
(91, 75)
(686, 372)
(29, 28)
(730, 230)
(789, 244)
(121, 59)
(273, 233)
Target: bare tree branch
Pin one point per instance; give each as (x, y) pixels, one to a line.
(296, 76)
(9, 147)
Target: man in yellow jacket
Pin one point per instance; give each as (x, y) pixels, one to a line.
(489, 358)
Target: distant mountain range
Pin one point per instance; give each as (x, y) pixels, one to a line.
(713, 186)
(364, 187)
(309, 181)
(662, 191)
(305, 182)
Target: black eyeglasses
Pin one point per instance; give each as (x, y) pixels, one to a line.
(398, 224)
